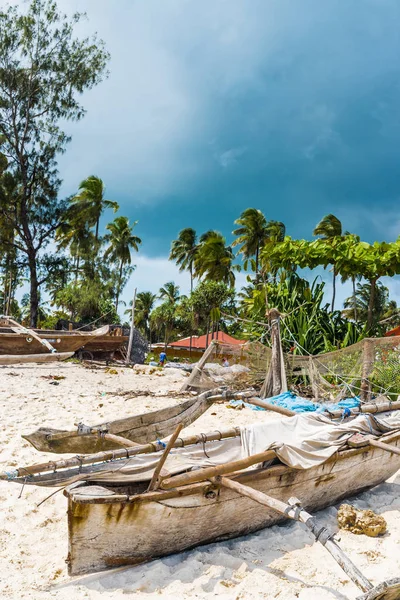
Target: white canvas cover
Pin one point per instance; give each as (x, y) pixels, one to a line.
(306, 440)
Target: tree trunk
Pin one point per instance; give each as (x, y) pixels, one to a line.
(371, 303)
(77, 268)
(354, 298)
(191, 279)
(257, 253)
(121, 266)
(34, 291)
(334, 289)
(97, 229)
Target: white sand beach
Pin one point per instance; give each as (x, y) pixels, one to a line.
(281, 562)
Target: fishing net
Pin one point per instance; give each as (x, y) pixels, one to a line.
(367, 368)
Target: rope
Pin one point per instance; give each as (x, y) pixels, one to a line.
(95, 321)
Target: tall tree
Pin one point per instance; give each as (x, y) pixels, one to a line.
(183, 251)
(170, 292)
(44, 68)
(214, 259)
(329, 228)
(383, 307)
(90, 203)
(251, 234)
(76, 236)
(121, 241)
(144, 305)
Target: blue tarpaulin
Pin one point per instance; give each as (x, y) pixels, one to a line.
(299, 405)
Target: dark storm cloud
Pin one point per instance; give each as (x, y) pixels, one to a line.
(290, 106)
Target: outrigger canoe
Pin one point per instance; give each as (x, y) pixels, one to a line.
(116, 517)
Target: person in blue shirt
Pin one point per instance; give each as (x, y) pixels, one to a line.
(163, 358)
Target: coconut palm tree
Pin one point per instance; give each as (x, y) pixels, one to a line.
(121, 241)
(383, 307)
(90, 203)
(214, 260)
(143, 307)
(329, 228)
(76, 236)
(183, 251)
(251, 234)
(170, 292)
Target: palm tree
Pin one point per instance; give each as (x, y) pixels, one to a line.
(90, 203)
(144, 305)
(76, 236)
(329, 228)
(183, 251)
(170, 292)
(251, 234)
(383, 307)
(214, 260)
(121, 241)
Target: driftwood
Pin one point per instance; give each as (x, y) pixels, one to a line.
(294, 510)
(154, 483)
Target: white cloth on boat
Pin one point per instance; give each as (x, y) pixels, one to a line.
(309, 439)
(301, 442)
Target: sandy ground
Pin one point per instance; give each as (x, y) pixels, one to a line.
(281, 562)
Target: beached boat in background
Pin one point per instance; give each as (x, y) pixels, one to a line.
(19, 340)
(23, 359)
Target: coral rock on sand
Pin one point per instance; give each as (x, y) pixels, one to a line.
(360, 521)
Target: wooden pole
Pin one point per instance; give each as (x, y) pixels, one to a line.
(271, 407)
(273, 382)
(367, 367)
(206, 473)
(154, 483)
(128, 354)
(37, 337)
(383, 446)
(294, 511)
(198, 366)
(89, 459)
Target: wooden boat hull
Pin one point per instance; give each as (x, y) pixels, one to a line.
(8, 359)
(141, 429)
(63, 341)
(107, 343)
(105, 532)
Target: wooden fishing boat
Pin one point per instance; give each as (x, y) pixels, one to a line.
(20, 340)
(107, 344)
(23, 359)
(138, 428)
(132, 505)
(111, 524)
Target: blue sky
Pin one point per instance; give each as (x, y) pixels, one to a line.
(286, 105)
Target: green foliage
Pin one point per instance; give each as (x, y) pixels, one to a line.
(44, 69)
(214, 260)
(307, 320)
(386, 374)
